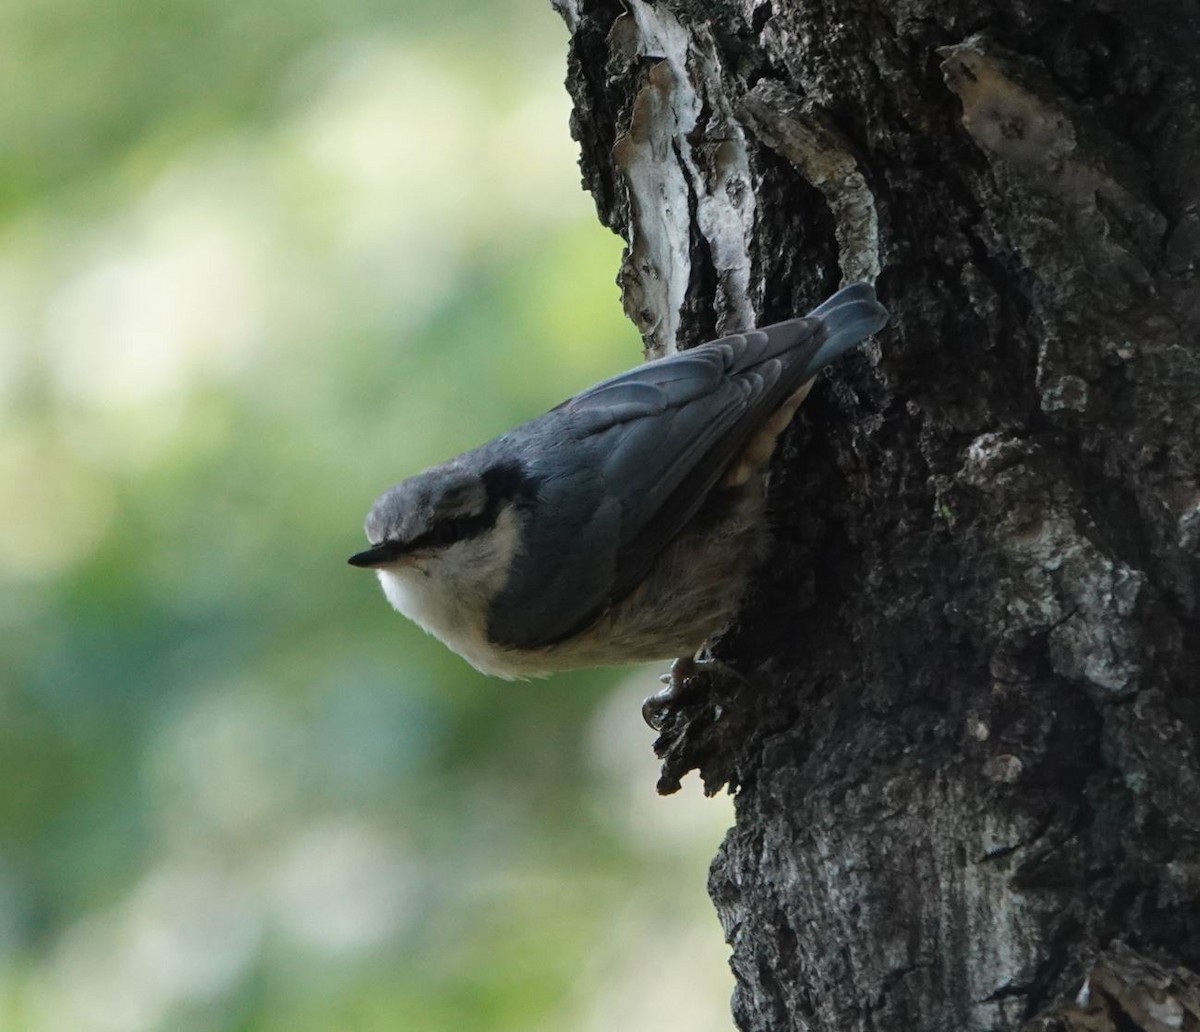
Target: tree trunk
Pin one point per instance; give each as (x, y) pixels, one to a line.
(966, 749)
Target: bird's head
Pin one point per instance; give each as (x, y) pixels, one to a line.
(426, 514)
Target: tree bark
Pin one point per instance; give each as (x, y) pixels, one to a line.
(966, 749)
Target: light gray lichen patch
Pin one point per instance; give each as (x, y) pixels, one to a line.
(1189, 526)
(1094, 643)
(1063, 584)
(1066, 393)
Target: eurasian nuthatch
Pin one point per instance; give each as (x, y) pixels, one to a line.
(623, 524)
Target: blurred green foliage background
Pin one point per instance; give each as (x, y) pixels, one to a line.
(257, 262)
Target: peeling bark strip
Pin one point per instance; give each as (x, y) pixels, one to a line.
(682, 162)
(965, 748)
(780, 120)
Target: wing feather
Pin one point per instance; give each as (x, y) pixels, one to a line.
(655, 441)
(622, 467)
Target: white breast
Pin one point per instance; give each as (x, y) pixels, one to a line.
(448, 592)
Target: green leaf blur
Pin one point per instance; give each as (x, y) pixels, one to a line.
(258, 262)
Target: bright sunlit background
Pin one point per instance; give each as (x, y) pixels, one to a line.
(259, 260)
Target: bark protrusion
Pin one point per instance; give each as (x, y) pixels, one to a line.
(1125, 991)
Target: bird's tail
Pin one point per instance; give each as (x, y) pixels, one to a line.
(849, 315)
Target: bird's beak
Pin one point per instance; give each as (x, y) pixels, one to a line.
(382, 554)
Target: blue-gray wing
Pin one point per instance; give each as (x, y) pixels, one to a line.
(622, 467)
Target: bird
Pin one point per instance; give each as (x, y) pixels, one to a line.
(621, 526)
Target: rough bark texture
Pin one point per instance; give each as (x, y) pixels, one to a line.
(966, 763)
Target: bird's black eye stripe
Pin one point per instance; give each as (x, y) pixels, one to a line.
(504, 484)
(445, 533)
(448, 531)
